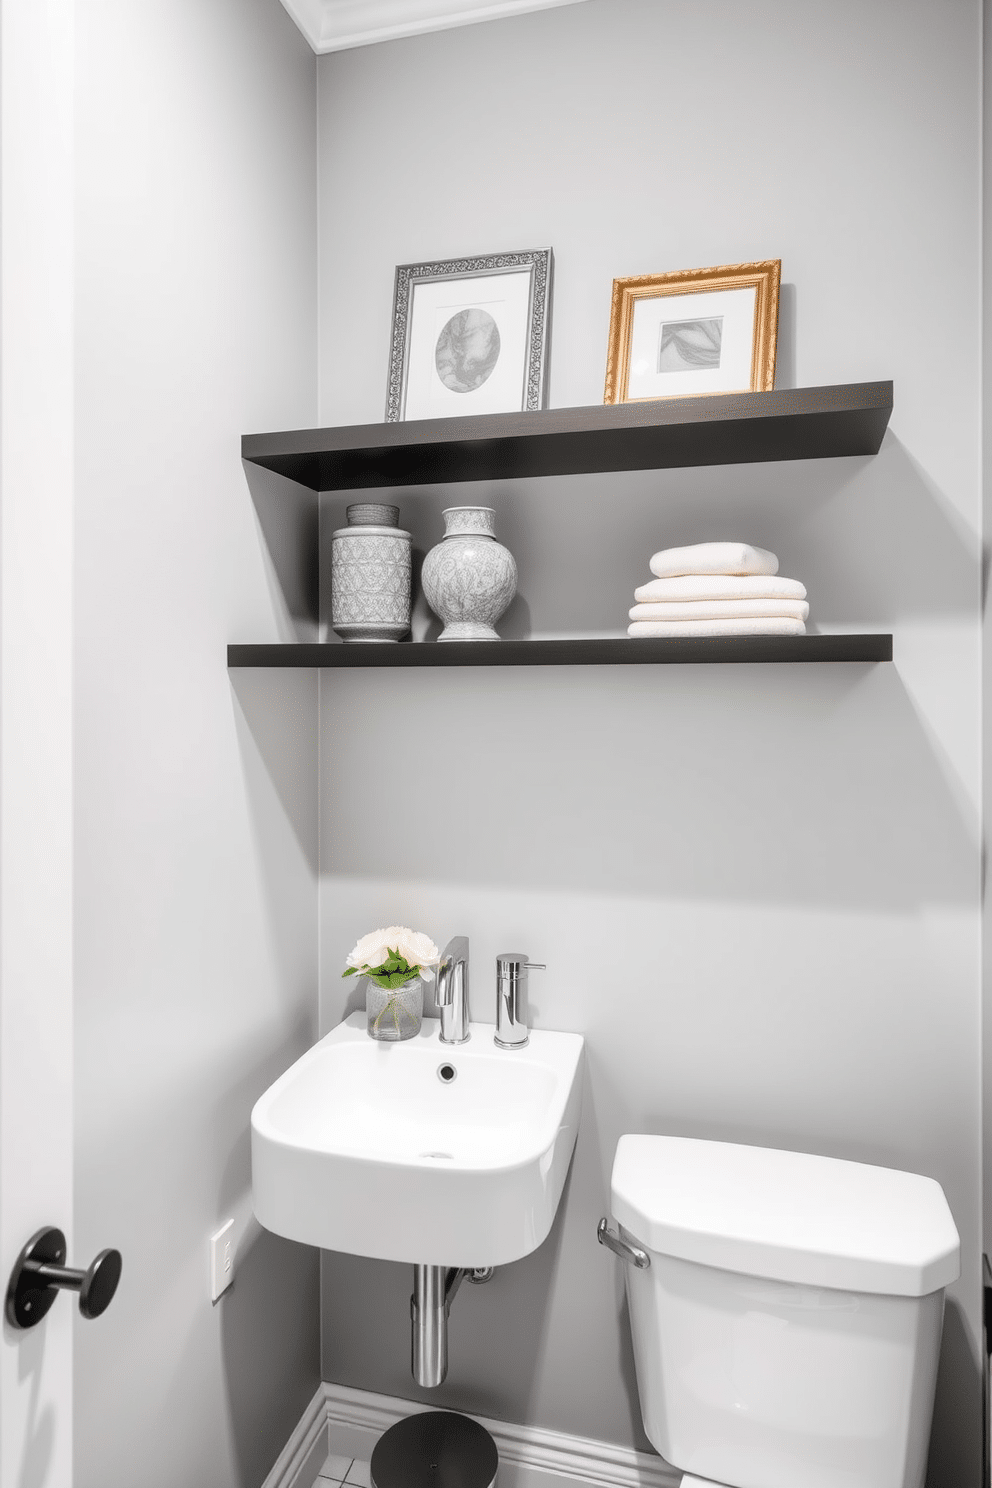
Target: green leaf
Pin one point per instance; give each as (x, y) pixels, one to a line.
(352, 971)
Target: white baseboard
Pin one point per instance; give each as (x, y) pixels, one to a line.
(304, 1454)
(349, 1423)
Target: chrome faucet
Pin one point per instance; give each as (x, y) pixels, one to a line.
(452, 991)
(511, 1003)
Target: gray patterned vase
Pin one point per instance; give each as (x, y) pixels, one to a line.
(469, 578)
(370, 575)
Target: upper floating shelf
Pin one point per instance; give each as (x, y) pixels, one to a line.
(723, 429)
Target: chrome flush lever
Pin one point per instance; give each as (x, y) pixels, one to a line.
(632, 1253)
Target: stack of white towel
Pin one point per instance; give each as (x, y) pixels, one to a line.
(718, 588)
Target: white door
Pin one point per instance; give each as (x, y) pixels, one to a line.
(36, 459)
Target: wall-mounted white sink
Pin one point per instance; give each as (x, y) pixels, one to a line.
(375, 1149)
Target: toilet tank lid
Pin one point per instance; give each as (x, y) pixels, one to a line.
(788, 1216)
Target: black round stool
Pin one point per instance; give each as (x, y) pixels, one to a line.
(435, 1449)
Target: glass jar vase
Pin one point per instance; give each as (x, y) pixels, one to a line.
(394, 1013)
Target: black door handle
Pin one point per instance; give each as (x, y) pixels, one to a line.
(41, 1272)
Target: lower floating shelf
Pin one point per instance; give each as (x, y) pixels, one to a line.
(622, 651)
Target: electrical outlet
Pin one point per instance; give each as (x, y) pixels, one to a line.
(221, 1260)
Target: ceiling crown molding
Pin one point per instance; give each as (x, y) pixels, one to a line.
(333, 25)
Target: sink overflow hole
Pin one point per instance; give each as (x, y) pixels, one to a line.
(448, 1155)
(446, 1073)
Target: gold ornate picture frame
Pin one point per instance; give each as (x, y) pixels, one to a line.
(693, 333)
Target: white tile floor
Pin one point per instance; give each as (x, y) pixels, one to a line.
(350, 1471)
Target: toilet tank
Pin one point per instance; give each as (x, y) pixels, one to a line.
(787, 1331)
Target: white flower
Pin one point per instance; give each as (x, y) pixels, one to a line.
(371, 950)
(416, 949)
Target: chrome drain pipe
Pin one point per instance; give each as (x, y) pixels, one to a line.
(434, 1290)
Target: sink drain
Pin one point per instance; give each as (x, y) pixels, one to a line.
(446, 1073)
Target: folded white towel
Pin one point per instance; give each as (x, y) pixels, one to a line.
(713, 558)
(721, 609)
(719, 586)
(757, 625)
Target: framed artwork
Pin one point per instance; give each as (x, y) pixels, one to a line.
(470, 335)
(696, 331)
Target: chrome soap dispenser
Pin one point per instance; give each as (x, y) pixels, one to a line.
(511, 998)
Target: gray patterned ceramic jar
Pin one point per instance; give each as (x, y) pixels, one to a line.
(469, 578)
(370, 575)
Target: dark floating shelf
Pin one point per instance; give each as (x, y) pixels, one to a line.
(724, 429)
(622, 651)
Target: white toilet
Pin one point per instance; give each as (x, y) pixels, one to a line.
(786, 1321)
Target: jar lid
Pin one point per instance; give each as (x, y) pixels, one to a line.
(372, 514)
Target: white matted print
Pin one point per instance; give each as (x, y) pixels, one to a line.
(696, 331)
(695, 343)
(470, 336)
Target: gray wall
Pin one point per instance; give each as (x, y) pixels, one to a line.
(757, 889)
(196, 976)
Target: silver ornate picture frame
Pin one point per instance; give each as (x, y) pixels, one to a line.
(470, 335)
